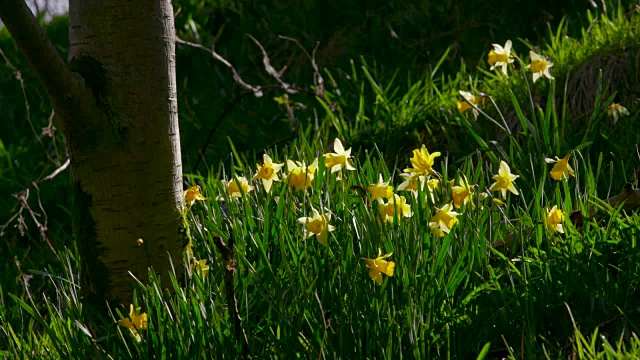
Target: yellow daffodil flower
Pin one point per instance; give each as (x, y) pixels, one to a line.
(301, 176)
(233, 187)
(462, 193)
(135, 320)
(443, 220)
(318, 225)
(412, 181)
(422, 162)
(561, 169)
(465, 104)
(380, 190)
(498, 202)
(267, 172)
(539, 66)
(504, 180)
(553, 221)
(501, 57)
(616, 111)
(192, 194)
(200, 266)
(379, 266)
(396, 205)
(339, 159)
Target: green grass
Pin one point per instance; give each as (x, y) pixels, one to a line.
(541, 295)
(546, 295)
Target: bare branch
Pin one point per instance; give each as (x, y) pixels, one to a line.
(318, 80)
(270, 69)
(257, 90)
(18, 75)
(23, 204)
(65, 88)
(318, 92)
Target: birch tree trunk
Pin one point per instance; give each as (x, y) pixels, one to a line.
(116, 104)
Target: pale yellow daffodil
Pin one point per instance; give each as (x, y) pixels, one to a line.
(234, 186)
(553, 220)
(462, 193)
(380, 190)
(501, 57)
(504, 180)
(134, 322)
(539, 66)
(301, 176)
(267, 172)
(318, 225)
(396, 205)
(617, 111)
(379, 266)
(422, 162)
(561, 169)
(339, 159)
(412, 181)
(468, 100)
(443, 220)
(192, 194)
(200, 266)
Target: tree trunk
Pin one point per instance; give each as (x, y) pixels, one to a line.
(129, 165)
(121, 125)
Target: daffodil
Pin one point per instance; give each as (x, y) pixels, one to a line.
(616, 111)
(462, 193)
(553, 221)
(443, 220)
(135, 320)
(233, 187)
(200, 266)
(301, 176)
(192, 194)
(339, 159)
(380, 190)
(561, 169)
(422, 162)
(504, 180)
(379, 266)
(498, 202)
(267, 172)
(396, 205)
(412, 181)
(501, 57)
(318, 225)
(539, 66)
(468, 100)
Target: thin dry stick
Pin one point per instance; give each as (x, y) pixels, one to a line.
(318, 80)
(18, 75)
(229, 261)
(326, 326)
(23, 203)
(270, 69)
(257, 90)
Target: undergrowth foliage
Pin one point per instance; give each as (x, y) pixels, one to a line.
(512, 241)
